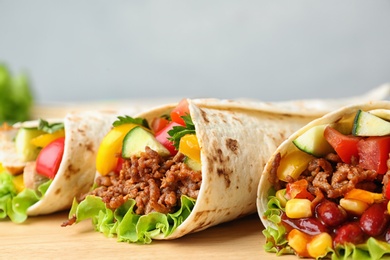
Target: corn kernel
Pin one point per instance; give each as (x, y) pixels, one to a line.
(320, 245)
(281, 198)
(356, 207)
(298, 208)
(298, 241)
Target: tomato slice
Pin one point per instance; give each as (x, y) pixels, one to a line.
(159, 123)
(162, 136)
(344, 145)
(180, 110)
(119, 165)
(374, 153)
(298, 190)
(387, 191)
(49, 158)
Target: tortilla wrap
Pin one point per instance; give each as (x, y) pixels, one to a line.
(236, 139)
(269, 204)
(76, 171)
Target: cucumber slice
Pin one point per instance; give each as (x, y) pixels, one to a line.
(194, 165)
(313, 142)
(23, 145)
(137, 139)
(367, 124)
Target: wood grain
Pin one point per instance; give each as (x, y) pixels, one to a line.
(43, 237)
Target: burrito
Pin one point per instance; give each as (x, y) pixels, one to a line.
(182, 168)
(325, 190)
(44, 164)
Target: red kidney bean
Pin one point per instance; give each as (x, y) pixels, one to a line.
(311, 226)
(375, 219)
(330, 213)
(350, 232)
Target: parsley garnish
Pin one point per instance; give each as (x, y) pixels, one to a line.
(130, 120)
(49, 128)
(178, 132)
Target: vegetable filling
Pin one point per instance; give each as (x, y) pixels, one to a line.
(340, 193)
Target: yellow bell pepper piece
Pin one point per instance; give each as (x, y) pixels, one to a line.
(189, 146)
(45, 139)
(363, 195)
(18, 182)
(298, 241)
(110, 148)
(1, 168)
(293, 164)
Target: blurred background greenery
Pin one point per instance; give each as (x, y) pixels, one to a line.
(16, 96)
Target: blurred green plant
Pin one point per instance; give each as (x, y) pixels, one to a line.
(16, 97)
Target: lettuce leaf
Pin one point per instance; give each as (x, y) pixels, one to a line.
(276, 240)
(14, 205)
(125, 224)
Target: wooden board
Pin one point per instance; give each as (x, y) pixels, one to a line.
(43, 238)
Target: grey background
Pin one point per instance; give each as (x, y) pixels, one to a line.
(270, 50)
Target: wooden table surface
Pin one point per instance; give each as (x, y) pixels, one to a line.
(43, 237)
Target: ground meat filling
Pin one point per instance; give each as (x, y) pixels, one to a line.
(335, 178)
(154, 182)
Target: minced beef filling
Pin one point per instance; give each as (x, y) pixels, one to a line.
(334, 178)
(154, 182)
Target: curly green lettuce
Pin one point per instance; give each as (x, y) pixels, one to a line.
(125, 224)
(276, 240)
(14, 205)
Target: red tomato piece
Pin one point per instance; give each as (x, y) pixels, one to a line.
(180, 110)
(374, 153)
(162, 136)
(119, 165)
(49, 158)
(387, 191)
(298, 190)
(344, 145)
(159, 123)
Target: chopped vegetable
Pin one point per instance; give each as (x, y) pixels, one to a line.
(367, 124)
(163, 137)
(313, 141)
(189, 146)
(179, 111)
(45, 139)
(374, 153)
(50, 157)
(293, 165)
(344, 145)
(137, 139)
(110, 148)
(159, 123)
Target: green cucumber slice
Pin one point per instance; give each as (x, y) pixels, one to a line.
(194, 165)
(137, 139)
(23, 145)
(313, 142)
(367, 124)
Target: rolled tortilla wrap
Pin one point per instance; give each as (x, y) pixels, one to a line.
(328, 189)
(235, 140)
(75, 175)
